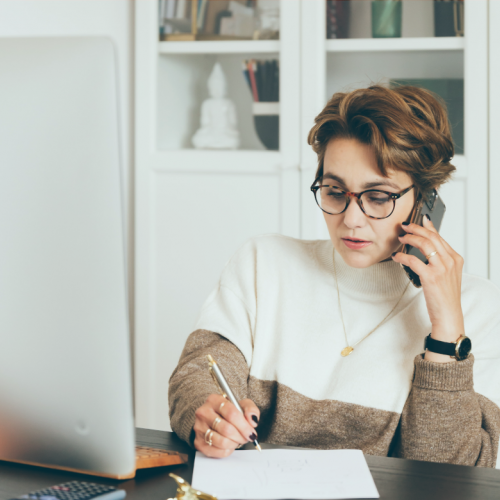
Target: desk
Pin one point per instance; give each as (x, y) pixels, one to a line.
(396, 479)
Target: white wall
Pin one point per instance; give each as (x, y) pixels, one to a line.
(111, 18)
(494, 124)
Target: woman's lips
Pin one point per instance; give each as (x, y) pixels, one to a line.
(355, 245)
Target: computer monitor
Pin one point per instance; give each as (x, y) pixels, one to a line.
(65, 370)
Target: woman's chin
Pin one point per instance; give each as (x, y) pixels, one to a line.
(358, 259)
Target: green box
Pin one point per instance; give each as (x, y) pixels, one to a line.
(386, 18)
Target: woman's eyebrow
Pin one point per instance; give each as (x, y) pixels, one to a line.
(381, 182)
(367, 185)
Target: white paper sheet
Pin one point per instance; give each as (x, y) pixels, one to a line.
(285, 474)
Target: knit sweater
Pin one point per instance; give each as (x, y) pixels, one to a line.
(273, 325)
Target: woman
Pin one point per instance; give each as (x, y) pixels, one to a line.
(322, 341)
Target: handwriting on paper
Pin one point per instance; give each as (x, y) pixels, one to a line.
(290, 474)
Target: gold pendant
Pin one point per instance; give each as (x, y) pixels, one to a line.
(346, 351)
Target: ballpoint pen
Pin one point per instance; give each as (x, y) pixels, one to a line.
(224, 388)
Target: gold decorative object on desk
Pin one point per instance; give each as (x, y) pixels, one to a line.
(186, 492)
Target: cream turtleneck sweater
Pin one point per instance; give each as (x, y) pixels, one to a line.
(273, 324)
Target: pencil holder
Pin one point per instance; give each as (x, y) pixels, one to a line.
(266, 119)
(386, 18)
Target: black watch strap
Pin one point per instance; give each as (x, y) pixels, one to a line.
(459, 350)
(439, 347)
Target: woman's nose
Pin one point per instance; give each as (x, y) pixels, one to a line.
(354, 216)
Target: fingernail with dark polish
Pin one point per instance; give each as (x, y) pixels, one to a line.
(428, 216)
(255, 419)
(406, 223)
(253, 437)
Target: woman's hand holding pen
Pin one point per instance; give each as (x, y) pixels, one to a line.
(232, 430)
(441, 282)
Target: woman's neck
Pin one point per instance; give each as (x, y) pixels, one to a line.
(384, 279)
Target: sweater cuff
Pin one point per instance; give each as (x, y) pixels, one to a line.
(188, 419)
(454, 376)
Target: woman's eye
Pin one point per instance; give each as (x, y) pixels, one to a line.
(380, 200)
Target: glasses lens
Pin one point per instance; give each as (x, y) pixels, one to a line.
(331, 200)
(377, 204)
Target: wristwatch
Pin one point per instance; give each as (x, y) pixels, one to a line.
(458, 350)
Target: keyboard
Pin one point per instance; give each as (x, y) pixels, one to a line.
(146, 457)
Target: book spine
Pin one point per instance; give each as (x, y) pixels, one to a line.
(251, 69)
(331, 19)
(170, 9)
(244, 69)
(202, 10)
(276, 81)
(180, 11)
(264, 79)
(161, 28)
(260, 80)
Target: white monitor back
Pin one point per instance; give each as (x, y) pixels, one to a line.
(65, 377)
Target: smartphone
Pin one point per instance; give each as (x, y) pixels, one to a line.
(432, 205)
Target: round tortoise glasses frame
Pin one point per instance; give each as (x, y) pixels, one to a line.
(342, 197)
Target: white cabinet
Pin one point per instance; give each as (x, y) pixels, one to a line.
(195, 208)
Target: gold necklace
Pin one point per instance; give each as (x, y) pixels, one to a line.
(348, 349)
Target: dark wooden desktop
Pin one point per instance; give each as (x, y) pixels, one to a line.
(396, 479)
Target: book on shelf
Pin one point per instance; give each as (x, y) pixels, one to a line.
(202, 14)
(180, 10)
(175, 16)
(215, 19)
(337, 18)
(172, 17)
(169, 9)
(162, 28)
(262, 77)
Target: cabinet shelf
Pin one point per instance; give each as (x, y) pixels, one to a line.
(394, 44)
(220, 47)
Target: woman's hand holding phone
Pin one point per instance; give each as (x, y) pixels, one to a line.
(441, 281)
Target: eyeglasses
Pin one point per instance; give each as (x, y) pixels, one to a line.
(374, 203)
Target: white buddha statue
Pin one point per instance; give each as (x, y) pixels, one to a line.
(218, 116)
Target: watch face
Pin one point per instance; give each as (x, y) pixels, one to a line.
(464, 348)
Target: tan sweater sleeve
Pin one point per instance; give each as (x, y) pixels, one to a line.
(444, 420)
(191, 382)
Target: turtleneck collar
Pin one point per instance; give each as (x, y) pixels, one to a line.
(384, 279)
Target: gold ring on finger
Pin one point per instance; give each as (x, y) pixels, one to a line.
(208, 436)
(216, 423)
(431, 255)
(221, 405)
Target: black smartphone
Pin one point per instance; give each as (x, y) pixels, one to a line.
(432, 205)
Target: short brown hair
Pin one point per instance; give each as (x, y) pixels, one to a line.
(407, 126)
